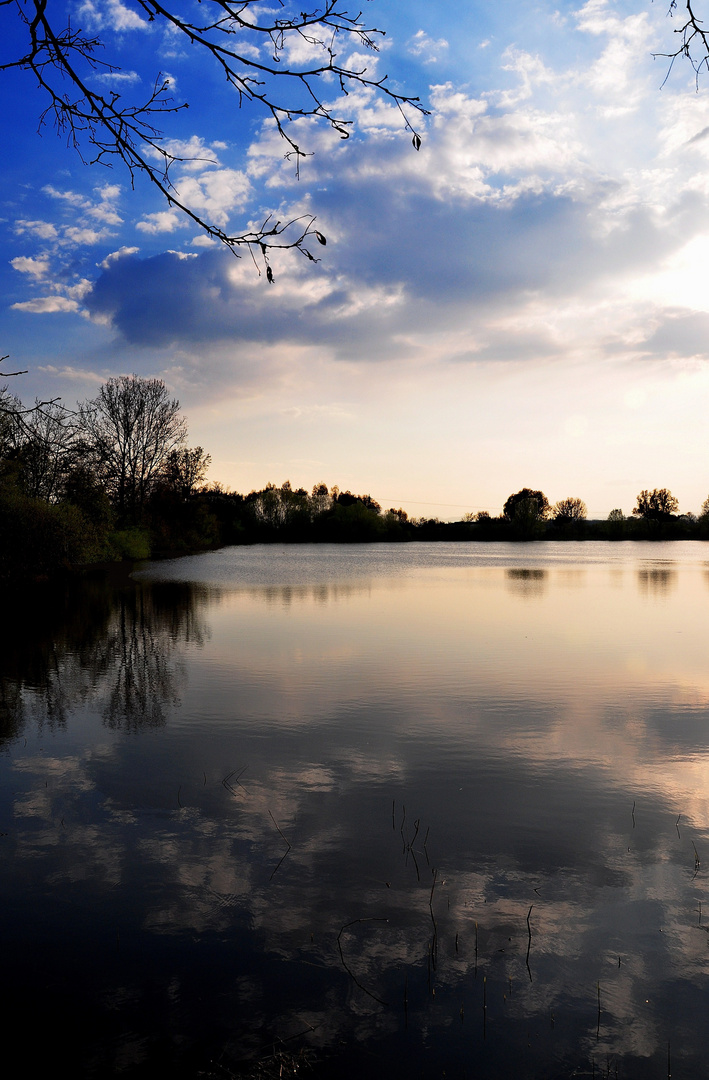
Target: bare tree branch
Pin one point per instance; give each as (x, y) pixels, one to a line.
(10, 374)
(65, 62)
(693, 41)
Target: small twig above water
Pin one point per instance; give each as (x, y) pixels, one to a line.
(529, 941)
(285, 839)
(346, 966)
(226, 782)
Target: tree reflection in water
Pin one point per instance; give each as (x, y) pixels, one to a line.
(117, 647)
(419, 827)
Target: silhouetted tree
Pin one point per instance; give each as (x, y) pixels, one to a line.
(527, 510)
(569, 510)
(320, 500)
(130, 429)
(525, 501)
(569, 518)
(346, 498)
(656, 505)
(277, 508)
(485, 524)
(185, 469)
(45, 449)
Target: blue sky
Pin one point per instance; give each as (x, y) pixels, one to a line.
(524, 302)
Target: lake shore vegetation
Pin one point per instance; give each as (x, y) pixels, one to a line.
(115, 480)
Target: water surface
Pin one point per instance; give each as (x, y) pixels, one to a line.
(419, 810)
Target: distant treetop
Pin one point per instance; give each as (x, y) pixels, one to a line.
(656, 505)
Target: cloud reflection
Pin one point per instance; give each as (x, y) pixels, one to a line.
(496, 810)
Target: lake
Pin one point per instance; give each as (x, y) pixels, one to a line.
(415, 810)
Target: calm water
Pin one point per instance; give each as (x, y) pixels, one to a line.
(413, 811)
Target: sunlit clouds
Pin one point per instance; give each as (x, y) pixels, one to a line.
(541, 254)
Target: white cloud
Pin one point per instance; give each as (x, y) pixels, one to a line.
(215, 193)
(427, 47)
(114, 256)
(105, 211)
(102, 209)
(83, 235)
(118, 78)
(36, 268)
(72, 373)
(304, 50)
(614, 76)
(192, 155)
(163, 221)
(80, 290)
(535, 187)
(111, 14)
(43, 305)
(43, 230)
(532, 73)
(71, 197)
(245, 49)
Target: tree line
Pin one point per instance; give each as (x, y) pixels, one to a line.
(116, 479)
(288, 514)
(112, 479)
(528, 515)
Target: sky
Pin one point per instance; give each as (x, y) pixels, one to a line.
(524, 302)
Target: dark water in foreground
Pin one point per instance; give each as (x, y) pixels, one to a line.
(416, 810)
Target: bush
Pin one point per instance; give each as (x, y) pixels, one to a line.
(38, 538)
(130, 544)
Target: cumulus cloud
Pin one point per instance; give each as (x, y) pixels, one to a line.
(82, 236)
(113, 256)
(304, 50)
(79, 290)
(43, 305)
(118, 78)
(208, 296)
(43, 230)
(84, 211)
(201, 182)
(495, 253)
(36, 268)
(79, 375)
(192, 154)
(246, 49)
(522, 200)
(71, 197)
(162, 221)
(614, 78)
(678, 333)
(104, 209)
(501, 240)
(428, 48)
(112, 15)
(215, 193)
